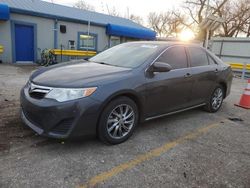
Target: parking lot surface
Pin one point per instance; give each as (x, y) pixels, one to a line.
(190, 149)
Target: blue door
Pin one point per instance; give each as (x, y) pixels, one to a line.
(24, 42)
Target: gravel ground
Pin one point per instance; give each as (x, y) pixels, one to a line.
(190, 149)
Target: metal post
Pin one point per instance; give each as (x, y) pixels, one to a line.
(244, 70)
(221, 48)
(61, 51)
(88, 38)
(55, 34)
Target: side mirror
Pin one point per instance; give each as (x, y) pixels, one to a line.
(160, 67)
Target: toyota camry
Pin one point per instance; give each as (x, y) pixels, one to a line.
(112, 92)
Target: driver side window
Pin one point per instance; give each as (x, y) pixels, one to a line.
(175, 56)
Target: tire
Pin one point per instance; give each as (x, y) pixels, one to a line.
(113, 128)
(215, 100)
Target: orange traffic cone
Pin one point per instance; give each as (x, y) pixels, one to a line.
(245, 98)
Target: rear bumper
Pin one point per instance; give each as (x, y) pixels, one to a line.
(59, 120)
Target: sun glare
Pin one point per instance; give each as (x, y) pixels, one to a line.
(186, 35)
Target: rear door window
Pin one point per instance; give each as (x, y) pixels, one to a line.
(175, 56)
(198, 57)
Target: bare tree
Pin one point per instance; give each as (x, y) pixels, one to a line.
(177, 23)
(81, 4)
(237, 18)
(154, 22)
(198, 10)
(157, 23)
(136, 19)
(167, 24)
(112, 11)
(247, 30)
(235, 13)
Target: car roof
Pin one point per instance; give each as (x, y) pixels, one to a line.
(168, 43)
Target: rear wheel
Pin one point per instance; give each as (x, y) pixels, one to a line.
(216, 99)
(118, 121)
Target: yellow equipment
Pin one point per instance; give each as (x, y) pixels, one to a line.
(1, 49)
(239, 66)
(73, 52)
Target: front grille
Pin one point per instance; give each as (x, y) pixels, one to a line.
(38, 92)
(63, 126)
(37, 95)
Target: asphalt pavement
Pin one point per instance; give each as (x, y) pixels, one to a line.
(189, 149)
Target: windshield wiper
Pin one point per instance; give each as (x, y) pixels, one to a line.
(103, 63)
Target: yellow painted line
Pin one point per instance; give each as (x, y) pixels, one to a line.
(145, 157)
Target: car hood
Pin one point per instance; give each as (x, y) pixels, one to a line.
(78, 74)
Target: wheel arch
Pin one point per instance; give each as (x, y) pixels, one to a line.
(125, 93)
(224, 85)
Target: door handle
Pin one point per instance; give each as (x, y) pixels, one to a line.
(216, 70)
(188, 75)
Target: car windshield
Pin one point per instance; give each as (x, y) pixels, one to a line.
(129, 55)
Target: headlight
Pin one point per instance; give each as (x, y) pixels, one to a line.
(67, 94)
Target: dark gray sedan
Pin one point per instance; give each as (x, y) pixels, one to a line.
(109, 94)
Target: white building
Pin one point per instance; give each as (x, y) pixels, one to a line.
(29, 26)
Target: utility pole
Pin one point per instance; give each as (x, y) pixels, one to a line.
(128, 12)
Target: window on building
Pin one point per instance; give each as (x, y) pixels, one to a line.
(87, 41)
(63, 29)
(114, 41)
(175, 56)
(131, 39)
(198, 57)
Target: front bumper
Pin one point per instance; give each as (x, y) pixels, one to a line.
(50, 118)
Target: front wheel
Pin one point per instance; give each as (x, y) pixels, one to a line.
(215, 100)
(118, 121)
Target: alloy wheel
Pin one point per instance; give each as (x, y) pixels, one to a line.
(120, 121)
(217, 98)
